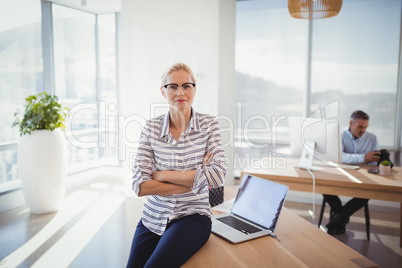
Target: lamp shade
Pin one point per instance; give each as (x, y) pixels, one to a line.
(314, 9)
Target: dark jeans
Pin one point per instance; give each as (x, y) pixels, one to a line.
(348, 209)
(182, 238)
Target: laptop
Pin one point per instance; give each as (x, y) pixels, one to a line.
(255, 211)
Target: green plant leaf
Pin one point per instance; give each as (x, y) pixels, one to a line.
(42, 111)
(385, 163)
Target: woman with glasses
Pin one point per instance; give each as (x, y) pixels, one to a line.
(179, 158)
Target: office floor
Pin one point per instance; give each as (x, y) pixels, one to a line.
(383, 247)
(94, 228)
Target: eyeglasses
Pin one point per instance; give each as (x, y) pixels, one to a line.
(174, 87)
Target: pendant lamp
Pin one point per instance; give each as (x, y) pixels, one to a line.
(314, 9)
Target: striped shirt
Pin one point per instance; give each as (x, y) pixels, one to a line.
(158, 150)
(354, 149)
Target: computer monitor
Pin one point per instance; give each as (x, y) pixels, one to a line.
(315, 139)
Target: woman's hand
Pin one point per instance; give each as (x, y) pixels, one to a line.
(207, 158)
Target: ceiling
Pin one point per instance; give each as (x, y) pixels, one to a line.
(94, 6)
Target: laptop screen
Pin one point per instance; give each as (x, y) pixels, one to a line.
(260, 201)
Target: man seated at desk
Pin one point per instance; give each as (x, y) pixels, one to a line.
(359, 147)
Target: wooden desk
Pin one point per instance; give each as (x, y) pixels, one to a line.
(338, 181)
(301, 245)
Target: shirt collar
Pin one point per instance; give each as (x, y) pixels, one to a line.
(164, 131)
(351, 137)
(194, 123)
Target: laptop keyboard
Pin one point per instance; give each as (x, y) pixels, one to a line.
(239, 225)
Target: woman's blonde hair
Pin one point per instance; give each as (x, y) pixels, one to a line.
(177, 67)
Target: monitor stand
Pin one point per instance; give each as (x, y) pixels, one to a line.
(307, 156)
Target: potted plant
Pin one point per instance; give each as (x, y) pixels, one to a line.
(42, 159)
(385, 168)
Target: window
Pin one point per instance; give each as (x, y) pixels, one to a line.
(355, 61)
(75, 78)
(271, 52)
(85, 77)
(85, 70)
(108, 86)
(20, 73)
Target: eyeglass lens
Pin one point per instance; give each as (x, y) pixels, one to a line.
(185, 86)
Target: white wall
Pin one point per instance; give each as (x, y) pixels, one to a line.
(158, 33)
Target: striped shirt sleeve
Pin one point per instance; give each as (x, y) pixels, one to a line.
(212, 174)
(145, 161)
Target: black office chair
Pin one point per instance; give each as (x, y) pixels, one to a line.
(366, 213)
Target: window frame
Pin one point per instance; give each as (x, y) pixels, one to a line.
(49, 83)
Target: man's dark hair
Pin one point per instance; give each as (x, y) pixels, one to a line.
(359, 115)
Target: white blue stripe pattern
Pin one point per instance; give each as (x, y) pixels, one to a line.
(354, 149)
(158, 150)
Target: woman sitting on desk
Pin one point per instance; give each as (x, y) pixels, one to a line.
(179, 157)
(359, 147)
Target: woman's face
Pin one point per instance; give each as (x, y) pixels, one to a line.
(179, 91)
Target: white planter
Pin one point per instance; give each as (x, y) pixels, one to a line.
(42, 163)
(385, 170)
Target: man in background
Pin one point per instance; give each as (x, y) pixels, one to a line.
(359, 146)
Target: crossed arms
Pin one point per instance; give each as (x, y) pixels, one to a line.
(169, 182)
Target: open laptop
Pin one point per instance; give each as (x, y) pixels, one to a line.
(255, 211)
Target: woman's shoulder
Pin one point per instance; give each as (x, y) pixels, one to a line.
(153, 123)
(157, 119)
(206, 119)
